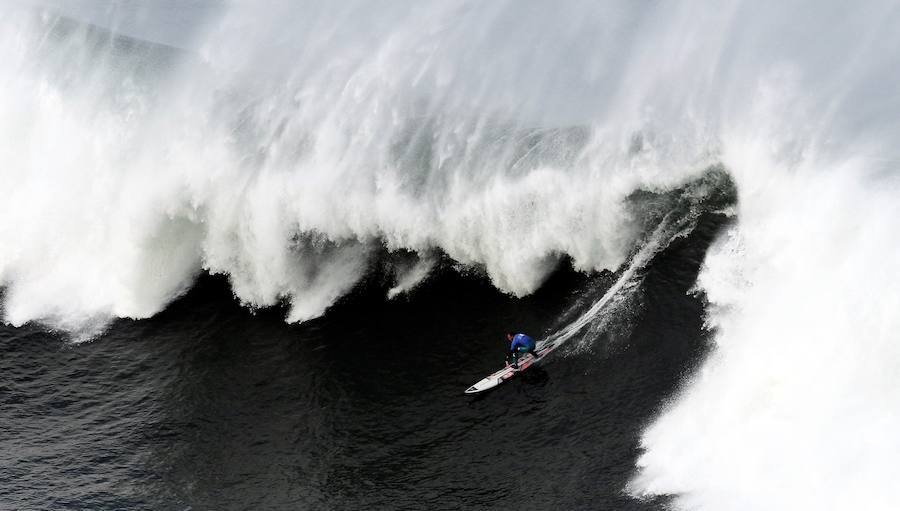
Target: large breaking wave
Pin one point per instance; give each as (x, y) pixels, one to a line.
(288, 147)
(282, 153)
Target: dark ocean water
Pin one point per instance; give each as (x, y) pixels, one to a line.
(209, 406)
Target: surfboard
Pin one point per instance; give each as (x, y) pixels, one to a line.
(508, 372)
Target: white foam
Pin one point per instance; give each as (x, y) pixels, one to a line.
(795, 406)
(282, 166)
(411, 275)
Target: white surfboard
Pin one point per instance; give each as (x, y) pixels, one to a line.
(508, 372)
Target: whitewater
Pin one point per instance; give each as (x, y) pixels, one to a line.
(294, 150)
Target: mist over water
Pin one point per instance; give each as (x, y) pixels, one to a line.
(291, 148)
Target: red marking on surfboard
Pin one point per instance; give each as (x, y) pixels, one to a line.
(508, 372)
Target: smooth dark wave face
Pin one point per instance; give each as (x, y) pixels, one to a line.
(210, 407)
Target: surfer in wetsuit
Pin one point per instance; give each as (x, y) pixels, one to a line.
(519, 344)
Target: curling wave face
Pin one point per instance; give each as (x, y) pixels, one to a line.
(285, 147)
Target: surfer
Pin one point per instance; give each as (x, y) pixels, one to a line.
(519, 344)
